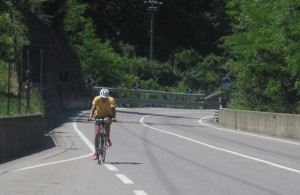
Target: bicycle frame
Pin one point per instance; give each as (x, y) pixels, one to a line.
(101, 151)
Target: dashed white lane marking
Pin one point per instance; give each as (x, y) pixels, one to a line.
(139, 192)
(221, 149)
(111, 167)
(124, 179)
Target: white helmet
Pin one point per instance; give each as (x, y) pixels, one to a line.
(104, 93)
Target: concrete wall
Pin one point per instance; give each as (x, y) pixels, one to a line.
(275, 124)
(20, 135)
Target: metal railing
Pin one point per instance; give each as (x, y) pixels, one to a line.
(153, 98)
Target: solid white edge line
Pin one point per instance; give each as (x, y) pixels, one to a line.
(52, 163)
(221, 149)
(245, 133)
(124, 179)
(82, 136)
(86, 141)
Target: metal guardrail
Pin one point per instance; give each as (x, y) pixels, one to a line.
(149, 97)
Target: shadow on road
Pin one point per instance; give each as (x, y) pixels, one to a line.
(123, 163)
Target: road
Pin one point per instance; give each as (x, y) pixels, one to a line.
(156, 151)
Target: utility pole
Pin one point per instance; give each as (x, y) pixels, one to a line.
(152, 8)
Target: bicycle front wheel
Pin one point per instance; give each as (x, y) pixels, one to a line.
(101, 152)
(99, 155)
(103, 155)
(100, 148)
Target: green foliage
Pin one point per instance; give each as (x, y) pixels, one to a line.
(34, 104)
(12, 38)
(97, 57)
(127, 50)
(197, 72)
(9, 97)
(265, 50)
(100, 60)
(150, 84)
(109, 37)
(186, 59)
(34, 6)
(3, 77)
(6, 41)
(12, 30)
(178, 24)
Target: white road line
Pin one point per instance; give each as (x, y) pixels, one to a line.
(139, 192)
(221, 149)
(90, 145)
(52, 163)
(245, 133)
(124, 179)
(111, 167)
(67, 160)
(82, 136)
(84, 139)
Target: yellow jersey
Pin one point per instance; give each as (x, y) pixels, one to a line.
(104, 108)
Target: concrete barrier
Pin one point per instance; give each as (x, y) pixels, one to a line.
(20, 135)
(275, 124)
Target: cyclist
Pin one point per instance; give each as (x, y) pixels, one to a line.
(106, 109)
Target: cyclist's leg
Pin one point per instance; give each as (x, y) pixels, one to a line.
(107, 128)
(96, 138)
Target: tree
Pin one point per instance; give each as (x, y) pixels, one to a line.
(263, 49)
(197, 72)
(179, 24)
(12, 28)
(97, 57)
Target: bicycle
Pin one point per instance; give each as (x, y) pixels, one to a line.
(101, 150)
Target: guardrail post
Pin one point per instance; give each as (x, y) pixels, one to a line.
(216, 115)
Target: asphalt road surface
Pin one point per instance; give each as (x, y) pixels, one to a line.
(156, 151)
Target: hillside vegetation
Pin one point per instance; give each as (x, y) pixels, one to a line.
(255, 42)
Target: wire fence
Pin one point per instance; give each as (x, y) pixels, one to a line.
(17, 95)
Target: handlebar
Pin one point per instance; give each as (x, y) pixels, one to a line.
(101, 120)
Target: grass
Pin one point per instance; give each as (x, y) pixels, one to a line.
(16, 105)
(19, 106)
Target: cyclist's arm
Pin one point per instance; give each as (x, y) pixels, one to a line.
(114, 117)
(92, 112)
